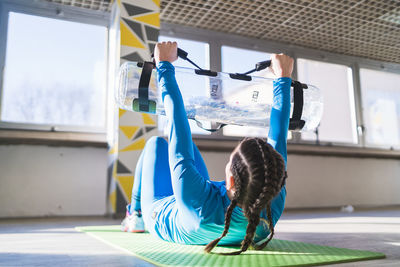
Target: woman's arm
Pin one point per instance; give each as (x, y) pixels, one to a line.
(280, 112)
(282, 67)
(191, 190)
(180, 138)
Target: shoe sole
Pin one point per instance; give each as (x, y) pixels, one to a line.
(137, 231)
(133, 231)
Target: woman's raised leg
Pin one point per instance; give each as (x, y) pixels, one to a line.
(152, 175)
(153, 165)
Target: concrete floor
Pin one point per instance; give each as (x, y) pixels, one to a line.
(54, 242)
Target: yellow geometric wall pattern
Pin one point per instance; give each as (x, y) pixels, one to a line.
(151, 19)
(139, 24)
(137, 145)
(126, 183)
(129, 131)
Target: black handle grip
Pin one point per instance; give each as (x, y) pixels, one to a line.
(263, 65)
(182, 53)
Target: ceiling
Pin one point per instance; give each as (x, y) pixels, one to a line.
(101, 5)
(364, 28)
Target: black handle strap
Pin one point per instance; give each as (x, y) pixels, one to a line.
(184, 55)
(144, 86)
(245, 76)
(263, 65)
(296, 123)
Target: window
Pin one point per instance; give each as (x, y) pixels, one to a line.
(55, 73)
(381, 107)
(338, 123)
(198, 52)
(238, 60)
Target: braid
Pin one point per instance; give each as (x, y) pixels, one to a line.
(228, 215)
(273, 173)
(258, 178)
(271, 229)
(254, 202)
(239, 171)
(254, 220)
(237, 196)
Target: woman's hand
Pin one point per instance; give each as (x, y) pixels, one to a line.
(166, 51)
(281, 65)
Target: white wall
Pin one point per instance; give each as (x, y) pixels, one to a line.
(320, 181)
(46, 181)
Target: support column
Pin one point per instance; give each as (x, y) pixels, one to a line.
(139, 26)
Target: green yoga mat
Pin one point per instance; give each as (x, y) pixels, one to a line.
(277, 253)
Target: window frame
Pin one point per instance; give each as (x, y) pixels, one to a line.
(60, 12)
(360, 138)
(381, 68)
(216, 40)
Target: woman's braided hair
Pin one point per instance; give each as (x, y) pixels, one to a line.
(259, 173)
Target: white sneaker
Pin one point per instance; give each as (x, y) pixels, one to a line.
(133, 222)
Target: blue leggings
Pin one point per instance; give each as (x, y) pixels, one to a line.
(152, 174)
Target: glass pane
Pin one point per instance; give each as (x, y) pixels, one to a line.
(338, 123)
(198, 52)
(55, 72)
(238, 60)
(381, 107)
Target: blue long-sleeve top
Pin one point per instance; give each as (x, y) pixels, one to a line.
(195, 213)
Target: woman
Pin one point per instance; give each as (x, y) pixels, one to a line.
(172, 188)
